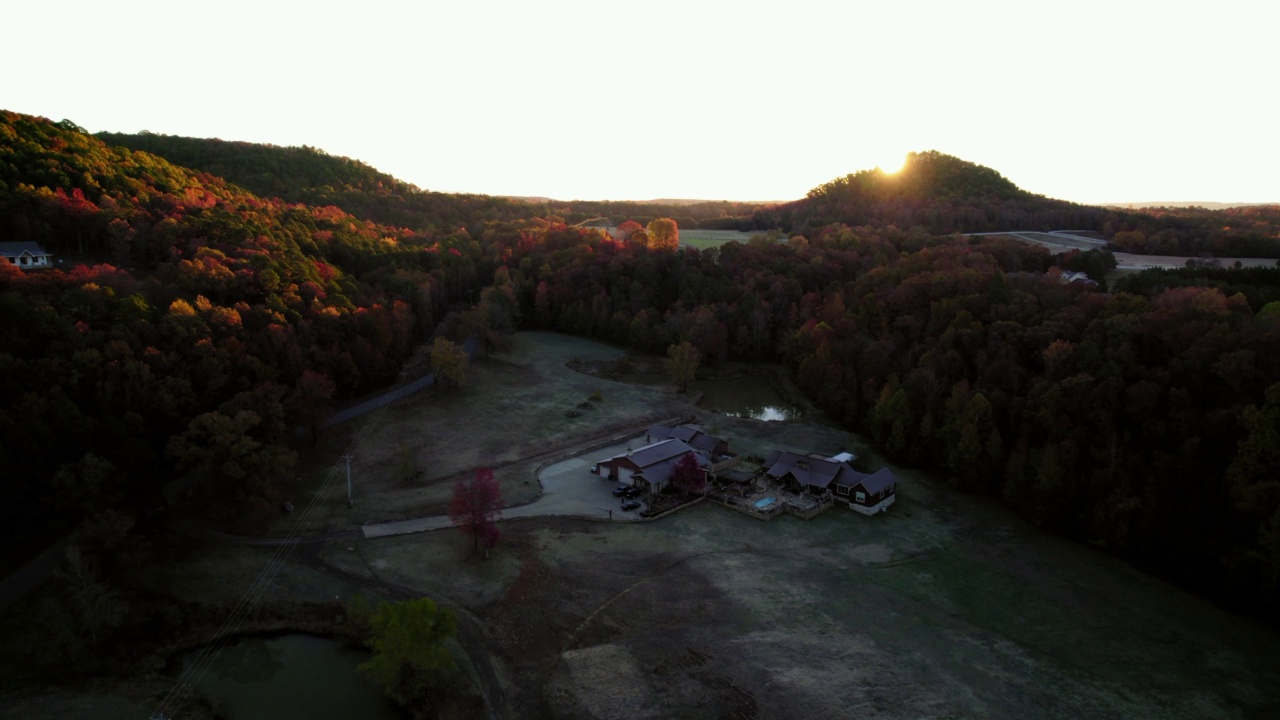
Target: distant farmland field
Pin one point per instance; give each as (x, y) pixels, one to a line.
(703, 239)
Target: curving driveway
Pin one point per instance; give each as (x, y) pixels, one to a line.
(569, 489)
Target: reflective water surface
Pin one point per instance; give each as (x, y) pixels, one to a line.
(291, 677)
(751, 396)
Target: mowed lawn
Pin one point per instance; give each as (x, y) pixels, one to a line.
(703, 239)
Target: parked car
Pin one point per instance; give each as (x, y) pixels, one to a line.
(630, 504)
(632, 493)
(621, 491)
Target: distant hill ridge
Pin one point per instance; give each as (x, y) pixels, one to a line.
(312, 176)
(938, 192)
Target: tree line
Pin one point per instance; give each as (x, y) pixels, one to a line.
(204, 324)
(1139, 421)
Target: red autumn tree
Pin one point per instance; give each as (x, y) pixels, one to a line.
(627, 229)
(476, 508)
(688, 475)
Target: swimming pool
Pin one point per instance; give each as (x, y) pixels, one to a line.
(766, 502)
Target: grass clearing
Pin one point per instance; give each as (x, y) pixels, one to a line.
(944, 607)
(511, 412)
(703, 239)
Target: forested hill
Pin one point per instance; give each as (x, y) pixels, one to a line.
(308, 175)
(937, 192)
(311, 176)
(192, 324)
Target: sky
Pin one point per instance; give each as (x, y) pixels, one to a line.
(1093, 102)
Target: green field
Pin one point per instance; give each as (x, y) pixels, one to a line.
(703, 239)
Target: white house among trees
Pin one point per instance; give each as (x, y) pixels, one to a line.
(26, 255)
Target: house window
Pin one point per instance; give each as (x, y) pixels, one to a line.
(842, 490)
(860, 496)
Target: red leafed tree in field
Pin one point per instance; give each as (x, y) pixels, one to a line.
(688, 475)
(476, 508)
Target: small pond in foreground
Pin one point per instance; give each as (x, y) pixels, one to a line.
(751, 396)
(291, 677)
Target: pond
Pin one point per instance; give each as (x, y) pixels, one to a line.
(751, 396)
(291, 677)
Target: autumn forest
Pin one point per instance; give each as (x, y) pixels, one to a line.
(217, 295)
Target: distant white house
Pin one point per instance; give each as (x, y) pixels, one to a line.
(1078, 277)
(26, 255)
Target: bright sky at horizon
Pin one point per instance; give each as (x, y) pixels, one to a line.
(1090, 101)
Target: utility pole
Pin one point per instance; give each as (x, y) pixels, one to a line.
(348, 459)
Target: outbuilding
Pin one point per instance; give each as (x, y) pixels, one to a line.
(649, 467)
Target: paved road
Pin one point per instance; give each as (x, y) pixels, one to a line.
(373, 404)
(568, 489)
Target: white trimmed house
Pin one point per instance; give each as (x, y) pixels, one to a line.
(26, 255)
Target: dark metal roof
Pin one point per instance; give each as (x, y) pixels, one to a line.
(693, 436)
(658, 431)
(14, 249)
(880, 480)
(655, 453)
(806, 470)
(657, 461)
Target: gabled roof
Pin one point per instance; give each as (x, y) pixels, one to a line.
(692, 436)
(658, 460)
(815, 472)
(879, 480)
(14, 249)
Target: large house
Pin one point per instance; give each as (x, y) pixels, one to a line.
(651, 466)
(868, 494)
(26, 255)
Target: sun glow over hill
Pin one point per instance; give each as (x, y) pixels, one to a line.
(892, 163)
